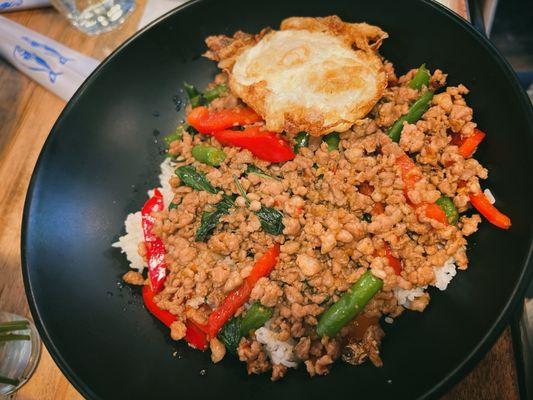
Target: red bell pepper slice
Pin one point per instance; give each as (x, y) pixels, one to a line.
(433, 211)
(410, 176)
(162, 315)
(206, 121)
(193, 335)
(237, 297)
(491, 213)
(264, 265)
(233, 301)
(469, 145)
(394, 262)
(410, 172)
(155, 249)
(263, 144)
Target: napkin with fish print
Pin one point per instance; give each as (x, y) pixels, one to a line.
(15, 5)
(56, 67)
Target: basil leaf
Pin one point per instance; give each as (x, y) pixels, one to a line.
(192, 178)
(210, 219)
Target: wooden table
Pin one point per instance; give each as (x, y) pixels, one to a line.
(27, 113)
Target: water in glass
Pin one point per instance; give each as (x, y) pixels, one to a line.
(95, 16)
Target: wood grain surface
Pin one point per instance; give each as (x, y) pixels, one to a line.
(27, 113)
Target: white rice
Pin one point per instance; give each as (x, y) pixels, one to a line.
(167, 172)
(279, 352)
(133, 224)
(129, 242)
(444, 274)
(406, 296)
(490, 197)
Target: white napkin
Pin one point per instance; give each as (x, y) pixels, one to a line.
(54, 66)
(15, 5)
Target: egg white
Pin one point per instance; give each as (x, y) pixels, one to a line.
(308, 80)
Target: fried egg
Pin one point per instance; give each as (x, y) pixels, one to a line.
(317, 75)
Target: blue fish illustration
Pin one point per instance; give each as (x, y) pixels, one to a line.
(47, 49)
(34, 63)
(9, 3)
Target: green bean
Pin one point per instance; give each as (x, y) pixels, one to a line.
(176, 135)
(332, 140)
(256, 316)
(302, 140)
(195, 97)
(212, 94)
(417, 109)
(420, 79)
(446, 204)
(349, 305)
(190, 90)
(192, 178)
(196, 101)
(209, 155)
(171, 138)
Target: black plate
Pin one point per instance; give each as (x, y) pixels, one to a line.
(102, 157)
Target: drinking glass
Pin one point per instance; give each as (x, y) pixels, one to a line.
(20, 348)
(95, 16)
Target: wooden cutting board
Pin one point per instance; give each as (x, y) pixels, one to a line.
(27, 113)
